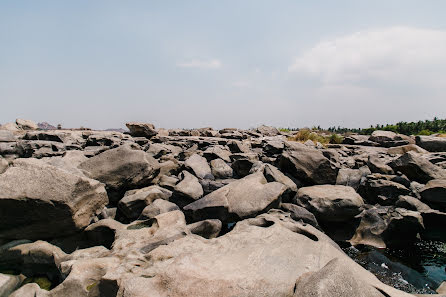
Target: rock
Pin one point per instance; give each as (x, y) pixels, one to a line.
(199, 166)
(3, 165)
(434, 193)
(217, 151)
(417, 168)
(10, 127)
(238, 146)
(8, 283)
(134, 201)
(389, 139)
(121, 169)
(157, 207)
(207, 228)
(243, 166)
(31, 259)
(272, 174)
(400, 150)
(268, 130)
(330, 203)
(168, 182)
(431, 143)
(26, 124)
(411, 203)
(103, 232)
(138, 129)
(352, 177)
(376, 189)
(227, 204)
(41, 201)
(335, 279)
(309, 166)
(386, 227)
(30, 290)
(263, 256)
(299, 213)
(220, 169)
(7, 136)
(69, 162)
(189, 187)
(442, 288)
(377, 165)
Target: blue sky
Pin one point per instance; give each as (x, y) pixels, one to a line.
(222, 63)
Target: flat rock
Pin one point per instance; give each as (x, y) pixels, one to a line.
(139, 129)
(199, 166)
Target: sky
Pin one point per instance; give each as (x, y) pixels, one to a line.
(190, 64)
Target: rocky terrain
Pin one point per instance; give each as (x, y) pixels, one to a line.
(158, 212)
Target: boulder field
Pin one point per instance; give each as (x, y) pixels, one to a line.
(203, 212)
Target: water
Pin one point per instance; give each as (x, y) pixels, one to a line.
(419, 268)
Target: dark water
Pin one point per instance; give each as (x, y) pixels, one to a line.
(418, 268)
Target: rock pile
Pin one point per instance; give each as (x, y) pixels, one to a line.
(233, 212)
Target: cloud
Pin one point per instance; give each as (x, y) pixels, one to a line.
(202, 64)
(390, 55)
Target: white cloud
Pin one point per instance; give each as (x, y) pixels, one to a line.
(203, 64)
(396, 54)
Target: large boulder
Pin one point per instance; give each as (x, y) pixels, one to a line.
(138, 129)
(240, 199)
(8, 283)
(41, 201)
(431, 143)
(7, 136)
(308, 165)
(268, 130)
(381, 189)
(189, 188)
(199, 166)
(417, 168)
(220, 169)
(434, 193)
(26, 124)
(121, 169)
(385, 226)
(263, 256)
(330, 203)
(389, 138)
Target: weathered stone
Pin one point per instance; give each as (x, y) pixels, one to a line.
(220, 169)
(352, 177)
(268, 130)
(299, 213)
(376, 189)
(431, 143)
(121, 169)
(199, 166)
(417, 168)
(308, 165)
(240, 199)
(330, 203)
(217, 151)
(41, 201)
(141, 129)
(207, 228)
(134, 201)
(157, 207)
(378, 165)
(7, 136)
(411, 203)
(434, 193)
(189, 187)
(8, 283)
(26, 124)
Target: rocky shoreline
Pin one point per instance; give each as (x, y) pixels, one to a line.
(203, 212)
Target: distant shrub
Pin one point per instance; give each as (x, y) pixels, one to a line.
(306, 134)
(336, 139)
(284, 130)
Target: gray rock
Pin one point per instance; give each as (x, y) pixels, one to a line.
(240, 199)
(138, 129)
(121, 169)
(220, 169)
(157, 207)
(199, 166)
(417, 168)
(26, 124)
(378, 165)
(8, 283)
(434, 193)
(217, 151)
(352, 177)
(268, 130)
(207, 228)
(3, 165)
(388, 227)
(299, 213)
(41, 201)
(431, 143)
(273, 174)
(399, 150)
(134, 201)
(7, 136)
(330, 203)
(411, 203)
(308, 165)
(377, 189)
(189, 186)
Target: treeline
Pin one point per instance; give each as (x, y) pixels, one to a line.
(426, 127)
